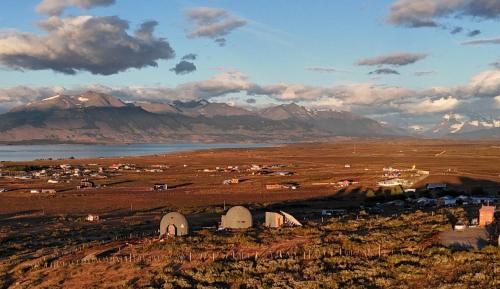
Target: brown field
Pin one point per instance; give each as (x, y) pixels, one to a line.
(464, 165)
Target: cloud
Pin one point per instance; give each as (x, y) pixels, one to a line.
(57, 7)
(221, 42)
(184, 67)
(323, 69)
(423, 73)
(432, 106)
(99, 45)
(496, 64)
(456, 30)
(384, 71)
(213, 23)
(428, 13)
(482, 41)
(474, 33)
(396, 59)
(190, 56)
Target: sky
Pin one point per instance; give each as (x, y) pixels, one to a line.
(402, 61)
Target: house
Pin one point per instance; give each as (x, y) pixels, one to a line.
(53, 181)
(92, 218)
(85, 184)
(35, 191)
(279, 219)
(486, 215)
(173, 224)
(159, 187)
(231, 181)
(347, 166)
(237, 217)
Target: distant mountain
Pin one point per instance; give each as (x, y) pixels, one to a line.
(87, 99)
(95, 117)
(463, 126)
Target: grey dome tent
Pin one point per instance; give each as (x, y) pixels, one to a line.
(174, 224)
(237, 217)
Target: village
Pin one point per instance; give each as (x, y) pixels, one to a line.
(115, 212)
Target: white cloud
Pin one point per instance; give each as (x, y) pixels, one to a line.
(432, 106)
(56, 7)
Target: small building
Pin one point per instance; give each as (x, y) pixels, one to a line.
(238, 217)
(48, 191)
(159, 187)
(277, 220)
(85, 184)
(231, 181)
(35, 191)
(3, 190)
(92, 218)
(486, 215)
(436, 186)
(173, 224)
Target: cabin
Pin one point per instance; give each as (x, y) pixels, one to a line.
(173, 224)
(280, 219)
(486, 215)
(159, 187)
(92, 218)
(237, 217)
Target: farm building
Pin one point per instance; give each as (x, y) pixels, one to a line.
(237, 217)
(486, 215)
(276, 220)
(173, 224)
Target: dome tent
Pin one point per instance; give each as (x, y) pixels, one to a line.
(237, 217)
(174, 224)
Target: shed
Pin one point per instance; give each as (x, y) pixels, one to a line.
(276, 220)
(486, 215)
(237, 217)
(174, 224)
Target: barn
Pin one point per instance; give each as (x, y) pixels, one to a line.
(237, 217)
(173, 224)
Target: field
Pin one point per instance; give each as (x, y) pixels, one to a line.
(46, 242)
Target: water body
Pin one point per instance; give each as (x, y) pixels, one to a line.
(64, 151)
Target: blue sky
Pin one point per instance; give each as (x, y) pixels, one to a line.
(279, 41)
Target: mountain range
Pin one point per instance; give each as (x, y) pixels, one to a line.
(94, 117)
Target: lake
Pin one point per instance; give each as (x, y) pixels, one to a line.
(61, 151)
